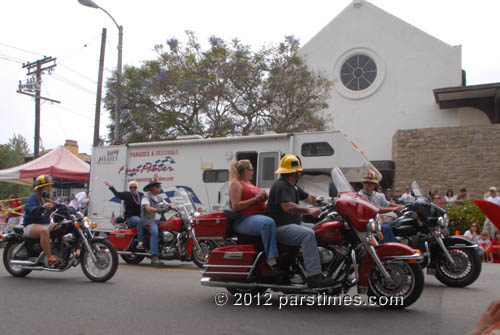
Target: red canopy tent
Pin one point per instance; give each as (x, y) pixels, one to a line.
(59, 163)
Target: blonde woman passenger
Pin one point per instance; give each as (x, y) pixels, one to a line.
(250, 202)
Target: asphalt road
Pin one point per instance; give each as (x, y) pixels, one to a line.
(170, 300)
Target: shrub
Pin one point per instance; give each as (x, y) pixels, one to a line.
(462, 216)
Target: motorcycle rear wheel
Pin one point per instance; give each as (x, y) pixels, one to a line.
(465, 272)
(132, 259)
(8, 252)
(407, 282)
(107, 261)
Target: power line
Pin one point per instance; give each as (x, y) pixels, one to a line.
(31, 52)
(72, 111)
(81, 75)
(72, 84)
(12, 59)
(84, 46)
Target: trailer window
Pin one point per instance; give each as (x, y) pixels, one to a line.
(317, 149)
(215, 176)
(268, 169)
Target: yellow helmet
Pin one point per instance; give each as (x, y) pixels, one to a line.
(369, 177)
(42, 180)
(289, 164)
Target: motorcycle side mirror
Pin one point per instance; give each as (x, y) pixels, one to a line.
(320, 200)
(332, 190)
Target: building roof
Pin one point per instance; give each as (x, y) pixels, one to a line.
(485, 97)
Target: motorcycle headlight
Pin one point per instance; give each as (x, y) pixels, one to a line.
(87, 223)
(443, 221)
(373, 226)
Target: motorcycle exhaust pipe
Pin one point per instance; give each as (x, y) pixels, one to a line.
(133, 253)
(27, 263)
(41, 268)
(211, 283)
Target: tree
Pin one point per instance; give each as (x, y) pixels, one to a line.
(225, 90)
(12, 154)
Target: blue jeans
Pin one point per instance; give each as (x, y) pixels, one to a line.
(153, 239)
(263, 226)
(388, 234)
(303, 236)
(136, 222)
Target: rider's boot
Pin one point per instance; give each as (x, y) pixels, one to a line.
(53, 261)
(155, 260)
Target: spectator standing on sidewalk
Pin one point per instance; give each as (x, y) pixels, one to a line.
(449, 198)
(16, 211)
(489, 227)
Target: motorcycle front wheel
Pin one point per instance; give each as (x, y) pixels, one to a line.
(466, 270)
(106, 261)
(200, 255)
(8, 254)
(404, 288)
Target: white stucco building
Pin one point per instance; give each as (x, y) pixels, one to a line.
(384, 72)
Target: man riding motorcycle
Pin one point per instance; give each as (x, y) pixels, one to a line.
(36, 222)
(283, 206)
(151, 206)
(370, 182)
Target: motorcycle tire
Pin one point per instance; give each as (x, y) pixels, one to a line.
(201, 258)
(132, 259)
(378, 287)
(7, 256)
(466, 271)
(107, 259)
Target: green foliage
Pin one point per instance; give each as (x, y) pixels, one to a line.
(462, 216)
(225, 90)
(12, 154)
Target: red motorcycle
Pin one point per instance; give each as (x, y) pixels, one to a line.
(184, 234)
(347, 234)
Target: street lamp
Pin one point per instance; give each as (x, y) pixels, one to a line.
(92, 4)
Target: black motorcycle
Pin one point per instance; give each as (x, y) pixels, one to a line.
(71, 240)
(454, 260)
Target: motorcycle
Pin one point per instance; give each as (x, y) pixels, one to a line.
(71, 240)
(347, 235)
(178, 234)
(454, 260)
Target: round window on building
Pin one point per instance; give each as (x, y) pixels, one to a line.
(358, 72)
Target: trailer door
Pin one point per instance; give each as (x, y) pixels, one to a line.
(267, 164)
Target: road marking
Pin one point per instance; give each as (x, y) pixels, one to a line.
(157, 268)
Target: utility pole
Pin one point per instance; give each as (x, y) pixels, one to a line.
(97, 118)
(34, 84)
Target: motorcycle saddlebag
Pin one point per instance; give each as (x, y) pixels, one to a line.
(121, 238)
(235, 262)
(211, 225)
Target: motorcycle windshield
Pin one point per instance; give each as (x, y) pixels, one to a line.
(183, 201)
(417, 191)
(340, 181)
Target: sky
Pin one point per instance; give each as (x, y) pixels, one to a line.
(70, 32)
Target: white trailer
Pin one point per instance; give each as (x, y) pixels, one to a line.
(201, 166)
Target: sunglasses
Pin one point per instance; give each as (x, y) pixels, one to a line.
(133, 187)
